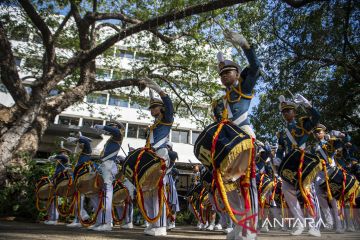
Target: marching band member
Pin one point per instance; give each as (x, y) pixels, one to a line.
(239, 92)
(297, 134)
(108, 170)
(62, 162)
(163, 112)
(325, 149)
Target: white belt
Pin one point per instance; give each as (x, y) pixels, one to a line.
(159, 143)
(241, 119)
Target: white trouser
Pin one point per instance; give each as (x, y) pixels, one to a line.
(237, 202)
(108, 170)
(151, 199)
(324, 204)
(128, 214)
(295, 207)
(53, 213)
(84, 215)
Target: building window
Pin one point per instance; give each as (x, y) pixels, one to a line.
(137, 131)
(118, 101)
(96, 98)
(143, 132)
(68, 121)
(125, 54)
(179, 136)
(102, 74)
(91, 122)
(132, 131)
(137, 105)
(195, 135)
(54, 92)
(17, 61)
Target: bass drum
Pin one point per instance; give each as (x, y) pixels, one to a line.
(151, 168)
(44, 189)
(64, 186)
(233, 150)
(87, 179)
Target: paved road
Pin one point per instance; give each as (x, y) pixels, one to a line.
(10, 230)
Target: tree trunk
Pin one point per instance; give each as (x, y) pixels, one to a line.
(20, 134)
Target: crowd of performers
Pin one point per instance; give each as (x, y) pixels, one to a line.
(312, 173)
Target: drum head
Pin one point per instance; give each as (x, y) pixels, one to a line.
(89, 183)
(45, 192)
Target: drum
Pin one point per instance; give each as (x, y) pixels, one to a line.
(44, 189)
(150, 171)
(336, 178)
(264, 184)
(206, 178)
(233, 149)
(63, 184)
(288, 169)
(87, 180)
(278, 193)
(120, 194)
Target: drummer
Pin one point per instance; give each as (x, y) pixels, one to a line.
(163, 112)
(239, 92)
(297, 134)
(62, 162)
(325, 149)
(84, 156)
(108, 170)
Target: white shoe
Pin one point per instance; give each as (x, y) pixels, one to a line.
(48, 222)
(200, 226)
(145, 225)
(351, 229)
(314, 232)
(127, 226)
(160, 231)
(227, 230)
(297, 231)
(205, 226)
(339, 230)
(264, 229)
(328, 227)
(210, 227)
(103, 227)
(74, 224)
(91, 227)
(170, 226)
(218, 227)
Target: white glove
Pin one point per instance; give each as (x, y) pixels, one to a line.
(337, 134)
(277, 161)
(152, 85)
(98, 127)
(299, 99)
(71, 139)
(51, 158)
(235, 38)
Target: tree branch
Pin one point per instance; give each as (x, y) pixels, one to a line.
(153, 23)
(301, 3)
(44, 30)
(106, 85)
(62, 25)
(9, 74)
